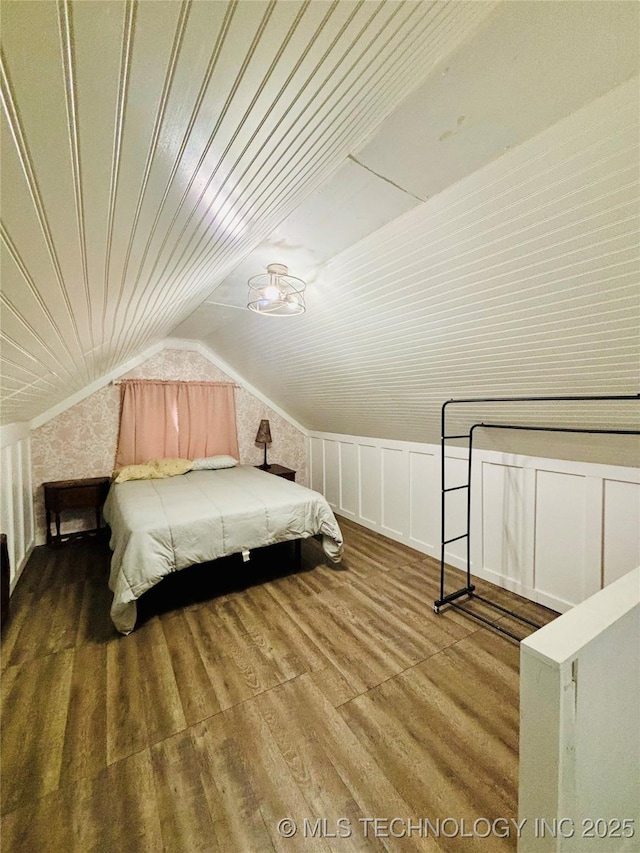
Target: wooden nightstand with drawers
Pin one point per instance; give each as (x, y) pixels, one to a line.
(280, 471)
(61, 495)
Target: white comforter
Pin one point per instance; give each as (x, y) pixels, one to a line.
(160, 526)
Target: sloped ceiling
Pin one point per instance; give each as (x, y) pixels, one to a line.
(456, 181)
(148, 147)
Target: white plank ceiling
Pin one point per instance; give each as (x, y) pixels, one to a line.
(457, 181)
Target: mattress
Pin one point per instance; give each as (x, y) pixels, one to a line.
(162, 526)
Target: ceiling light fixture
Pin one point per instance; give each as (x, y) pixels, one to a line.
(276, 293)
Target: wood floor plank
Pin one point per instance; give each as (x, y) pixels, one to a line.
(320, 695)
(384, 552)
(94, 621)
(185, 820)
(293, 634)
(119, 810)
(326, 796)
(258, 614)
(46, 566)
(21, 605)
(116, 810)
(160, 695)
(85, 739)
(261, 669)
(41, 825)
(336, 687)
(127, 731)
(337, 775)
(486, 762)
(432, 788)
(334, 640)
(232, 672)
(229, 787)
(413, 591)
(53, 624)
(413, 771)
(36, 754)
(378, 614)
(197, 695)
(376, 630)
(278, 793)
(229, 686)
(471, 741)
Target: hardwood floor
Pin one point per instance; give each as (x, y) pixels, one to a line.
(248, 694)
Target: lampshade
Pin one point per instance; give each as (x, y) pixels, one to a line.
(264, 433)
(276, 293)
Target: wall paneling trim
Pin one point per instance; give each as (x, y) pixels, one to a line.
(16, 505)
(552, 530)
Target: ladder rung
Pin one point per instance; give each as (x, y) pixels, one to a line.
(455, 539)
(455, 488)
(447, 437)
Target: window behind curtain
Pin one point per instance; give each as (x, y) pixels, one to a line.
(161, 419)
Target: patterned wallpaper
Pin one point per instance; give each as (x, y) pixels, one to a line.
(81, 442)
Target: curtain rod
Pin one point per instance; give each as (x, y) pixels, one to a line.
(175, 382)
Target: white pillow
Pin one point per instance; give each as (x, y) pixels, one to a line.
(214, 462)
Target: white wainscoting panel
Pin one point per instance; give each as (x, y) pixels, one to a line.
(424, 506)
(332, 472)
(348, 478)
(316, 464)
(506, 539)
(369, 485)
(395, 492)
(621, 517)
(16, 503)
(561, 520)
(552, 530)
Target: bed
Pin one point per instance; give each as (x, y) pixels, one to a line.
(160, 526)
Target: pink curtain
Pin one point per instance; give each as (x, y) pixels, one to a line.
(207, 418)
(168, 419)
